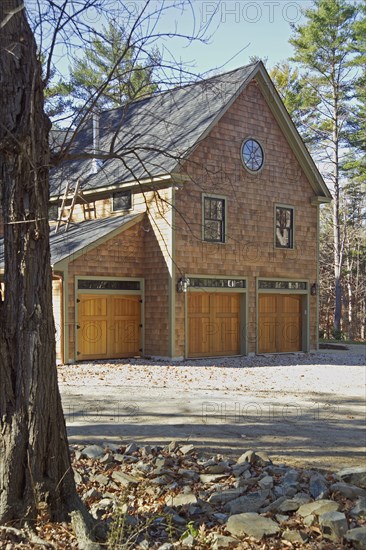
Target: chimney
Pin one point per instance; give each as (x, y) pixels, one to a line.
(96, 163)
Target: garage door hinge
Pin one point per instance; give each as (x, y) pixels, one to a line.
(78, 326)
(140, 326)
(77, 301)
(78, 353)
(140, 301)
(140, 349)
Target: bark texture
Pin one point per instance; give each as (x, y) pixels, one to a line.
(35, 465)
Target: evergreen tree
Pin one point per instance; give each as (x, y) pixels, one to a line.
(323, 49)
(110, 71)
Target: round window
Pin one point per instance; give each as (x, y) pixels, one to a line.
(252, 155)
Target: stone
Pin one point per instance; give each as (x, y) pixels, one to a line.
(77, 477)
(318, 486)
(222, 541)
(178, 520)
(274, 506)
(119, 458)
(248, 456)
(360, 508)
(347, 490)
(251, 524)
(288, 505)
(290, 484)
(266, 482)
(294, 536)
(161, 480)
(172, 447)
(187, 449)
(182, 499)
(124, 479)
(222, 497)
(107, 458)
(291, 476)
(318, 507)
(358, 537)
(188, 474)
(131, 448)
(220, 518)
(246, 503)
(92, 451)
(102, 479)
(262, 459)
(92, 493)
(357, 475)
(281, 518)
(333, 524)
(166, 546)
(220, 468)
(212, 478)
(309, 520)
(239, 469)
(188, 541)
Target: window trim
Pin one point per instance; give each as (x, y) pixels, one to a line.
(287, 207)
(217, 197)
(122, 209)
(248, 138)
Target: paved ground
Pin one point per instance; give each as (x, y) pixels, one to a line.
(303, 409)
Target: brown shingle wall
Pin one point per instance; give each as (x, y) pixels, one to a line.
(142, 251)
(121, 256)
(216, 168)
(157, 269)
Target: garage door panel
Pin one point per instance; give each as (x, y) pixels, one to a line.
(227, 341)
(267, 303)
(280, 323)
(109, 326)
(126, 306)
(93, 338)
(291, 304)
(213, 324)
(267, 334)
(199, 333)
(92, 306)
(125, 338)
(199, 304)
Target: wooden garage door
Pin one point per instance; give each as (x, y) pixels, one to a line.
(213, 324)
(108, 326)
(280, 322)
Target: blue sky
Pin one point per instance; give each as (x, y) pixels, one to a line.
(239, 30)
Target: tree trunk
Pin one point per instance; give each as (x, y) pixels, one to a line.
(35, 464)
(336, 217)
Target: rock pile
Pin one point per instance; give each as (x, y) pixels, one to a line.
(174, 497)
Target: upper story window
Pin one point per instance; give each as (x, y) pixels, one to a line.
(214, 219)
(284, 227)
(122, 201)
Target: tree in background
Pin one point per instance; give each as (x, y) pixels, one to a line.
(110, 63)
(323, 48)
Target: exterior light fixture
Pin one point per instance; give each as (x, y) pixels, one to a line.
(182, 284)
(314, 289)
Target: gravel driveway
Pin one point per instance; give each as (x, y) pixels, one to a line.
(303, 409)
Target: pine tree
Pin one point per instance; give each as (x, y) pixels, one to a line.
(323, 48)
(111, 72)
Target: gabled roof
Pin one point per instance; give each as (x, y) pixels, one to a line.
(155, 134)
(82, 237)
